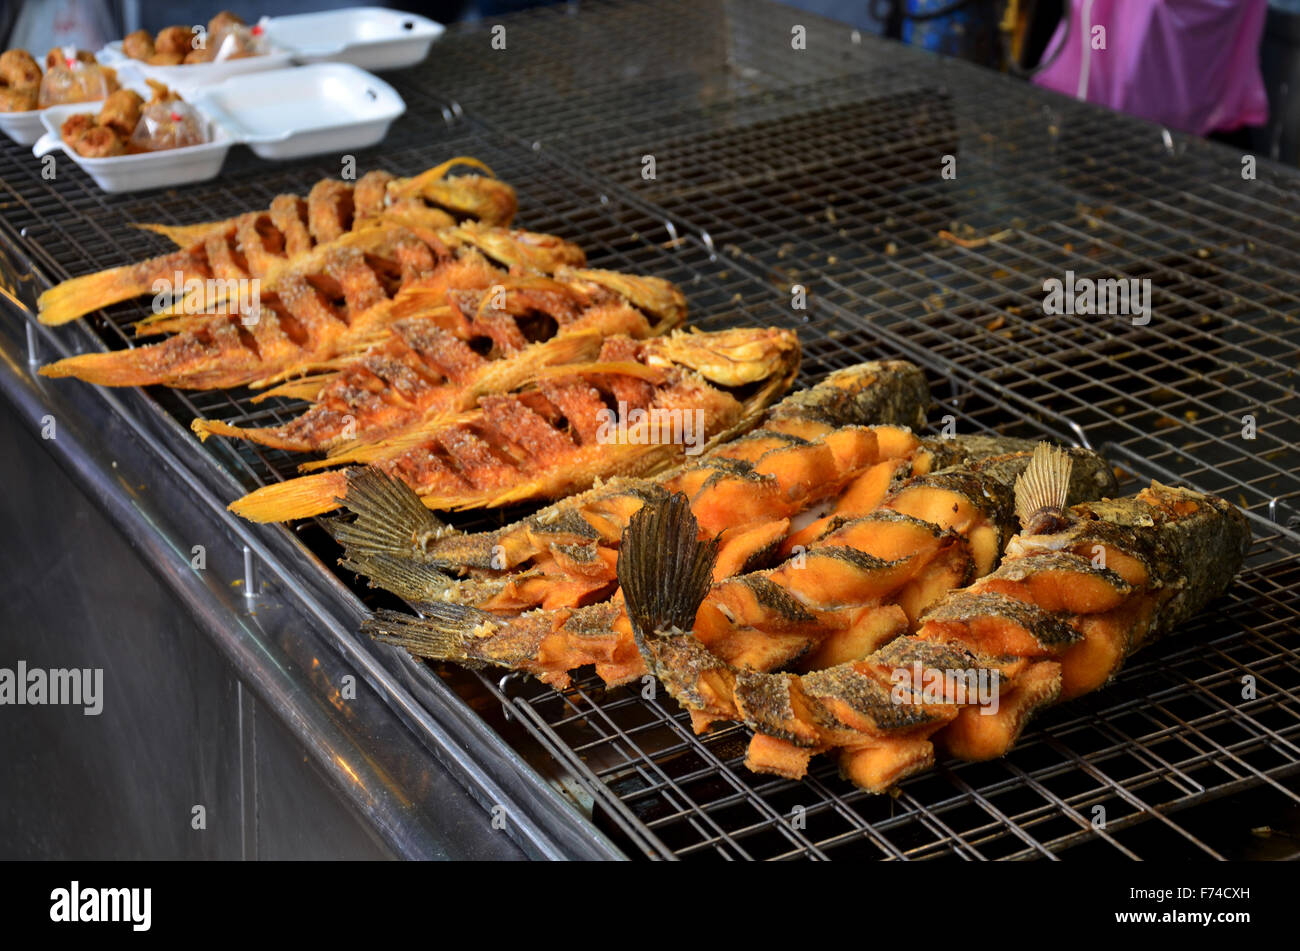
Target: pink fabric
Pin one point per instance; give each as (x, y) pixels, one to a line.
(1188, 64)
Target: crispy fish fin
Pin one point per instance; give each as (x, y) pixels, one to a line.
(1042, 490)
(114, 368)
(416, 582)
(664, 569)
(186, 236)
(390, 520)
(302, 497)
(444, 633)
(405, 188)
(80, 295)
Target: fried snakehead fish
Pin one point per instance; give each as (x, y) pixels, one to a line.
(338, 299)
(865, 581)
(562, 433)
(1079, 590)
(809, 447)
(258, 244)
(483, 341)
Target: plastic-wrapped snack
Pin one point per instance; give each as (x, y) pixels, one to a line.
(76, 81)
(67, 56)
(224, 19)
(168, 125)
(236, 41)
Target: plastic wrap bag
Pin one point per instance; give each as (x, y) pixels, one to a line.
(168, 125)
(236, 41)
(1188, 64)
(75, 80)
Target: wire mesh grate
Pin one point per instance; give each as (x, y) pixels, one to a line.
(776, 167)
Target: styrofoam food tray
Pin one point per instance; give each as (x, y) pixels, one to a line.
(186, 79)
(369, 37)
(25, 127)
(326, 107)
(125, 173)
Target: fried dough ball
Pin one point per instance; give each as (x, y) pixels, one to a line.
(197, 56)
(165, 59)
(99, 142)
(74, 126)
(174, 39)
(121, 112)
(17, 68)
(138, 45)
(18, 98)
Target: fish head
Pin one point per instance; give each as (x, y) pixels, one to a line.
(480, 197)
(732, 358)
(655, 296)
(528, 250)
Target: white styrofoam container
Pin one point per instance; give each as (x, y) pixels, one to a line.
(185, 79)
(326, 107)
(370, 37)
(24, 127)
(125, 173)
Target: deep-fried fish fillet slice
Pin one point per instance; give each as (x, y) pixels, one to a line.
(263, 241)
(1167, 552)
(796, 458)
(517, 447)
(863, 583)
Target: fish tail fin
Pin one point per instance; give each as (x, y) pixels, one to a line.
(302, 497)
(115, 368)
(390, 519)
(446, 632)
(183, 236)
(411, 580)
(203, 428)
(664, 569)
(80, 295)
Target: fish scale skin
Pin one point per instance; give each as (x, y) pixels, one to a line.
(898, 395)
(865, 696)
(1193, 543)
(776, 599)
(1022, 568)
(1050, 630)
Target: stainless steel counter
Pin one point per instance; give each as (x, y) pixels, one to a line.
(212, 697)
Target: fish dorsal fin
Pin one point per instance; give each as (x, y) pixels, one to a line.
(664, 569)
(1042, 489)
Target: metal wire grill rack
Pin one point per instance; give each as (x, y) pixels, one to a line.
(820, 167)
